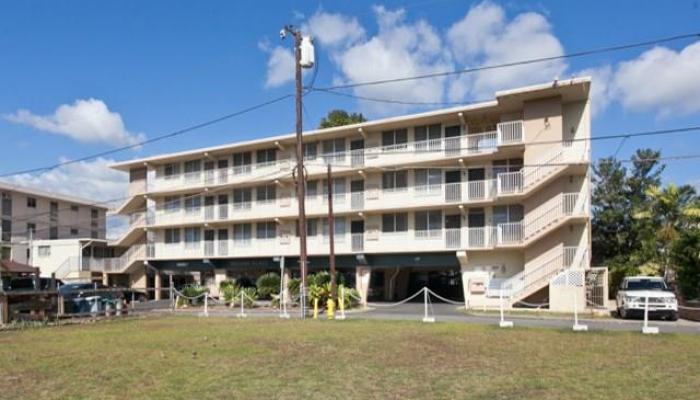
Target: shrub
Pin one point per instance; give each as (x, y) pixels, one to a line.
(268, 284)
(224, 285)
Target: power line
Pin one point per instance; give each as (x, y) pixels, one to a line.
(392, 101)
(517, 63)
(149, 141)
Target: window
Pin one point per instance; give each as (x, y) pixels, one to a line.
(193, 204)
(6, 230)
(242, 198)
(193, 166)
(192, 235)
(266, 156)
(340, 227)
(397, 222)
(171, 204)
(73, 232)
(510, 165)
(311, 227)
(266, 230)
(6, 204)
(428, 177)
(53, 211)
(94, 234)
(44, 251)
(428, 220)
(311, 188)
(53, 232)
(507, 214)
(31, 202)
(171, 171)
(242, 232)
(310, 151)
(334, 150)
(172, 236)
(241, 163)
(31, 229)
(94, 213)
(427, 137)
(395, 180)
(339, 187)
(266, 194)
(74, 208)
(394, 139)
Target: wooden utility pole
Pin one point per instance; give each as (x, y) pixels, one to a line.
(300, 176)
(331, 233)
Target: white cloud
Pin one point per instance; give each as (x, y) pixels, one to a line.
(398, 49)
(485, 37)
(661, 80)
(280, 65)
(601, 90)
(330, 29)
(88, 121)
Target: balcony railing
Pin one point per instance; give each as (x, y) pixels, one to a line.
(506, 133)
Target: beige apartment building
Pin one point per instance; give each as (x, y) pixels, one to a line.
(477, 202)
(39, 218)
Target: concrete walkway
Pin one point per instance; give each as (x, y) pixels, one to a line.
(450, 313)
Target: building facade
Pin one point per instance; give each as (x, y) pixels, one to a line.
(30, 215)
(471, 201)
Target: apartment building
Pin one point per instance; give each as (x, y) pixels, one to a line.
(473, 201)
(36, 215)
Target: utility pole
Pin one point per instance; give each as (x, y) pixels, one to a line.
(331, 234)
(300, 175)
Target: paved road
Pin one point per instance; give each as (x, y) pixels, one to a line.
(445, 312)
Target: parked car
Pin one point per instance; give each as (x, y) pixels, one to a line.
(634, 291)
(28, 283)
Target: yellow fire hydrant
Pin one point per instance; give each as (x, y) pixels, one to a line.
(330, 310)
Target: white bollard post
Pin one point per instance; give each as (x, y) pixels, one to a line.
(206, 305)
(242, 313)
(426, 318)
(577, 327)
(341, 304)
(503, 323)
(646, 329)
(283, 299)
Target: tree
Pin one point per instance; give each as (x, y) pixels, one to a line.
(686, 257)
(672, 211)
(340, 118)
(620, 241)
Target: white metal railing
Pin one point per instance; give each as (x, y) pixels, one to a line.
(510, 233)
(510, 132)
(453, 192)
(453, 238)
(357, 200)
(509, 182)
(357, 241)
(209, 248)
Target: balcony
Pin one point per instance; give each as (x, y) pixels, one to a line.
(506, 133)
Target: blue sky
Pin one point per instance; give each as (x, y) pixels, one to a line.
(80, 77)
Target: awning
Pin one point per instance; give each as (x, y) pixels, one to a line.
(14, 267)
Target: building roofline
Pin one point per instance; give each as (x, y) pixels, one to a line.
(548, 86)
(51, 195)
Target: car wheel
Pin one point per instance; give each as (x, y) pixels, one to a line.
(673, 316)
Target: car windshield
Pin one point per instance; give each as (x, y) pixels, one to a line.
(646, 284)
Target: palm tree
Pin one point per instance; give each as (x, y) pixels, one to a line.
(670, 210)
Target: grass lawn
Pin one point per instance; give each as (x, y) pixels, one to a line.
(186, 357)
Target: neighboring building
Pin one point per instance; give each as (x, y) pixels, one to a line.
(466, 200)
(30, 214)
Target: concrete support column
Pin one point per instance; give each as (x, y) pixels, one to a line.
(137, 279)
(219, 276)
(105, 279)
(362, 279)
(158, 285)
